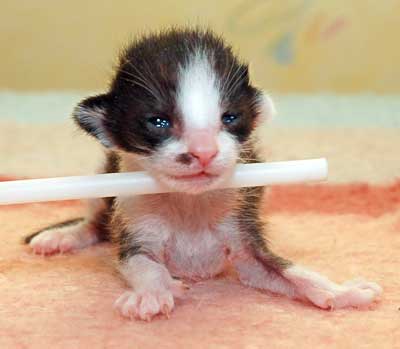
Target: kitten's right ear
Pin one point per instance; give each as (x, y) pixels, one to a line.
(91, 116)
(266, 106)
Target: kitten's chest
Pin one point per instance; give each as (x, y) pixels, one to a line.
(195, 255)
(190, 234)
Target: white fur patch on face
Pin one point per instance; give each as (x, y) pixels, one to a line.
(198, 97)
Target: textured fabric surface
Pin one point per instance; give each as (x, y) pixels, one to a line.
(348, 227)
(66, 301)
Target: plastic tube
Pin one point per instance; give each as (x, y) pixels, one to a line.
(138, 183)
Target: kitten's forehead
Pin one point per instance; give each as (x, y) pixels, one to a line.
(198, 96)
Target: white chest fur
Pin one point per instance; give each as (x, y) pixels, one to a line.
(195, 255)
(189, 234)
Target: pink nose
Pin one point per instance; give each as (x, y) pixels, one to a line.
(202, 145)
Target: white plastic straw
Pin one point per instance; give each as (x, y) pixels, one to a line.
(138, 183)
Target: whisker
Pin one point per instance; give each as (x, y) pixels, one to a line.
(154, 81)
(228, 76)
(138, 71)
(137, 82)
(236, 83)
(233, 76)
(145, 80)
(136, 77)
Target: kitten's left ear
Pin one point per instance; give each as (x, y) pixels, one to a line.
(265, 106)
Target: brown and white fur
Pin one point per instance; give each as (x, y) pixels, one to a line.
(181, 107)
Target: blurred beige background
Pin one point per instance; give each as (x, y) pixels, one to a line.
(293, 45)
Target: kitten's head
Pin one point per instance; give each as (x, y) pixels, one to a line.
(181, 106)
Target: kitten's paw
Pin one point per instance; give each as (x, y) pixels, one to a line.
(61, 240)
(343, 296)
(145, 305)
(363, 284)
(357, 293)
(327, 295)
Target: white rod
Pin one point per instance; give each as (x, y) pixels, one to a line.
(138, 183)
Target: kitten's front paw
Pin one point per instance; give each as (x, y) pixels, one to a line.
(145, 305)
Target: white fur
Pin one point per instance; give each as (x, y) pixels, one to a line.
(64, 239)
(153, 289)
(144, 305)
(198, 97)
(143, 274)
(326, 294)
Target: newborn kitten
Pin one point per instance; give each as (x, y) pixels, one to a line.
(181, 106)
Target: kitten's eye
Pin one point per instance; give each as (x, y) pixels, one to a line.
(160, 121)
(228, 118)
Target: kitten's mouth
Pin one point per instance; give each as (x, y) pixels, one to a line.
(199, 176)
(194, 183)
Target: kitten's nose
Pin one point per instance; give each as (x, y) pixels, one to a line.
(202, 145)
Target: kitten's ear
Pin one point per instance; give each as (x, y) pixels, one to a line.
(92, 116)
(266, 107)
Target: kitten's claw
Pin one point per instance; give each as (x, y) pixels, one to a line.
(178, 288)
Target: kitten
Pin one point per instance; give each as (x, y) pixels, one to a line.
(181, 106)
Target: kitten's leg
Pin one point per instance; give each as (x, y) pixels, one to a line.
(73, 234)
(141, 253)
(153, 289)
(258, 267)
(78, 233)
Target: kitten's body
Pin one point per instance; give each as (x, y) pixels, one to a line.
(182, 107)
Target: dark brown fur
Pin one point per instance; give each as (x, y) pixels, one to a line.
(249, 218)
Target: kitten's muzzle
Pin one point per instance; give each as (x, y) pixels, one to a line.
(202, 146)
